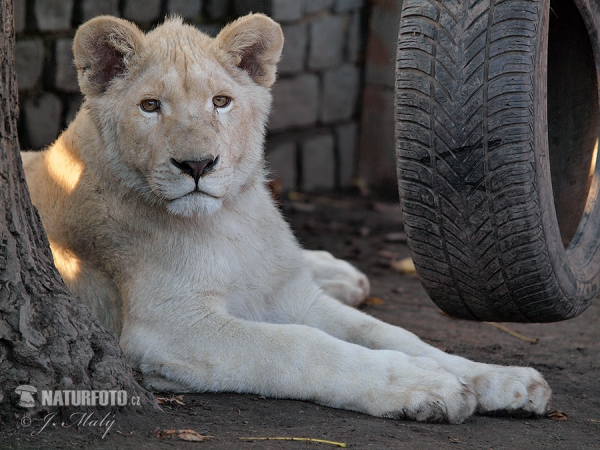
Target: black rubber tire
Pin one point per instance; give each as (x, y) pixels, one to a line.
(496, 105)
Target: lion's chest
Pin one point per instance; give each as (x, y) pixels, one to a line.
(235, 261)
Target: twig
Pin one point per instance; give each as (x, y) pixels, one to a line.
(320, 441)
(514, 333)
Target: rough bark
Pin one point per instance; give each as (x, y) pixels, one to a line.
(48, 339)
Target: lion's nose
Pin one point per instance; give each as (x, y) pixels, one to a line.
(196, 169)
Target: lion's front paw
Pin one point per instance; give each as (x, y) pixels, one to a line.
(438, 397)
(337, 278)
(417, 388)
(511, 389)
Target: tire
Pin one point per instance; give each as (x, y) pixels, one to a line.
(497, 122)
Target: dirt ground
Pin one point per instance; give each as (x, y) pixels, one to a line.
(367, 233)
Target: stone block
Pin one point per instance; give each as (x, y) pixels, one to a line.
(42, 120)
(347, 5)
(216, 9)
(293, 56)
(345, 136)
(295, 102)
(143, 11)
(65, 76)
(381, 48)
(313, 6)
(340, 91)
(19, 13)
(281, 160)
(318, 163)
(53, 15)
(29, 62)
(354, 38)
(93, 8)
(326, 42)
(188, 9)
(377, 146)
(280, 10)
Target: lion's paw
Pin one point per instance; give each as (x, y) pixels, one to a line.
(338, 278)
(511, 389)
(438, 397)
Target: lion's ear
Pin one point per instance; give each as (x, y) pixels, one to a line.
(254, 43)
(103, 48)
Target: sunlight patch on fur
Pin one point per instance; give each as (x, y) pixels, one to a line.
(67, 264)
(64, 168)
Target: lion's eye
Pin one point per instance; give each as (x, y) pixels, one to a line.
(221, 101)
(150, 105)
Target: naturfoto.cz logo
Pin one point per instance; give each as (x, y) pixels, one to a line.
(69, 397)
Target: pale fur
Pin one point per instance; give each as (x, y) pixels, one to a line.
(210, 291)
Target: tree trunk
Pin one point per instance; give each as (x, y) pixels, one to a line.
(48, 339)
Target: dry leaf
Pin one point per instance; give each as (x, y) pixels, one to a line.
(556, 414)
(170, 400)
(158, 433)
(192, 436)
(373, 301)
(184, 435)
(395, 237)
(404, 266)
(454, 440)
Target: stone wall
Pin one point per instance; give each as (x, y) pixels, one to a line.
(313, 129)
(376, 160)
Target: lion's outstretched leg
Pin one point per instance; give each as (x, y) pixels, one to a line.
(223, 353)
(497, 387)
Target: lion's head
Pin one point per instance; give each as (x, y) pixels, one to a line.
(181, 116)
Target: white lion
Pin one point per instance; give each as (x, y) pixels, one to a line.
(155, 204)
